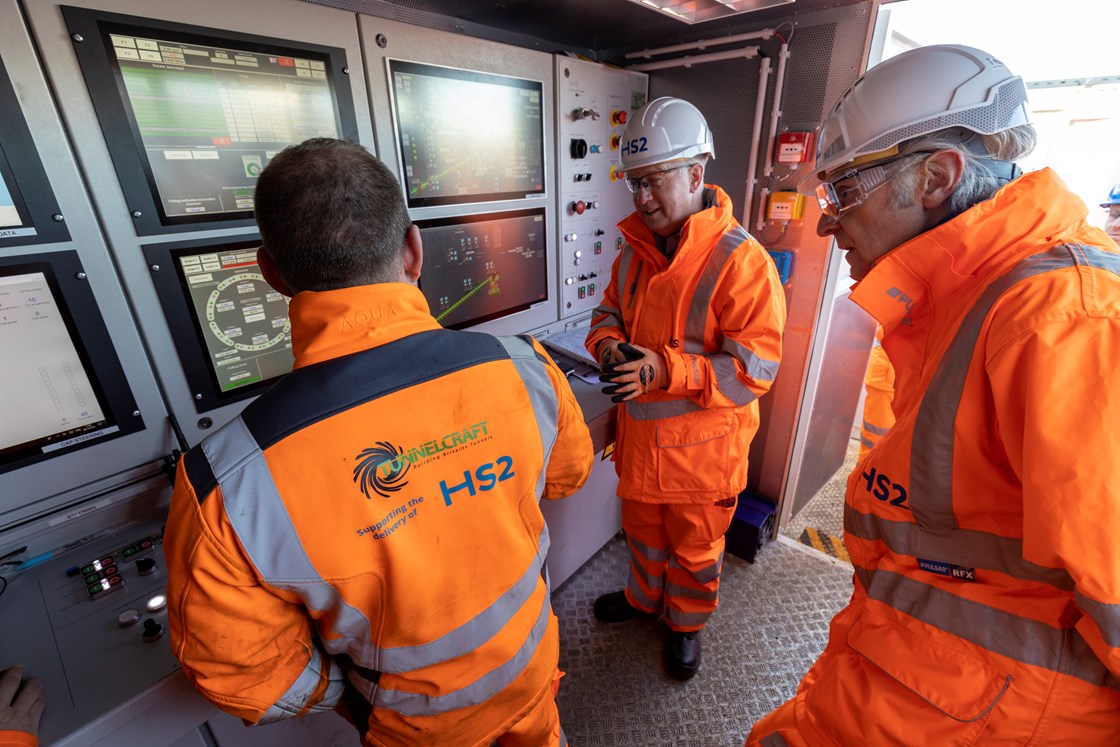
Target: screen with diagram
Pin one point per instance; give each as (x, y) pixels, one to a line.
(465, 136)
(49, 400)
(200, 116)
(483, 267)
(241, 321)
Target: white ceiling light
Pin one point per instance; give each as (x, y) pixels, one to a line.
(698, 11)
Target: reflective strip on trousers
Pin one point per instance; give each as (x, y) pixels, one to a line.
(937, 534)
(640, 550)
(262, 524)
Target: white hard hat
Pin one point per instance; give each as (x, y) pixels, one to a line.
(920, 91)
(665, 129)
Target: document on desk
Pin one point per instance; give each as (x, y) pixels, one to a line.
(570, 343)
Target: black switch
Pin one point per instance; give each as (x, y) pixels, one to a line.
(153, 631)
(579, 148)
(146, 566)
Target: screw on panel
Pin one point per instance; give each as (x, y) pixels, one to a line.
(80, 275)
(136, 214)
(57, 218)
(78, 38)
(205, 423)
(154, 268)
(197, 395)
(381, 40)
(135, 413)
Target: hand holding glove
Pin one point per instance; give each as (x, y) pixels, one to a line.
(641, 371)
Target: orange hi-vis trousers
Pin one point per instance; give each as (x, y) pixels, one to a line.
(676, 554)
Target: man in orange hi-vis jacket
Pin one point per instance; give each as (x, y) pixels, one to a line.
(366, 535)
(879, 385)
(983, 526)
(689, 332)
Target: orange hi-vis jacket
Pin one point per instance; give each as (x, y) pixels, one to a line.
(9, 738)
(984, 525)
(715, 313)
(367, 532)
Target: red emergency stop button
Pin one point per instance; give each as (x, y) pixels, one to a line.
(578, 207)
(618, 117)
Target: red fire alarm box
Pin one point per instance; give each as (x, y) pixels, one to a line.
(794, 147)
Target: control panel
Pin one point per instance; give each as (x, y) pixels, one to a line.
(92, 625)
(593, 104)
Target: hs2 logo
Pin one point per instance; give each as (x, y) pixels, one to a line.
(485, 476)
(882, 487)
(637, 145)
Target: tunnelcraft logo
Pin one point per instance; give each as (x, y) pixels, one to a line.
(389, 478)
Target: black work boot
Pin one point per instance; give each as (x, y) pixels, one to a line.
(684, 654)
(613, 608)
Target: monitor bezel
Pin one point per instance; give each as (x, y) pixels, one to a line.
(459, 220)
(452, 73)
(92, 343)
(106, 89)
(23, 173)
(186, 334)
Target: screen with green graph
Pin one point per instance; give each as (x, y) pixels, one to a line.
(483, 267)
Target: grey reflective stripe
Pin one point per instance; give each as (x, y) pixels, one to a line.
(471, 634)
(657, 555)
(479, 691)
(757, 368)
(866, 442)
(686, 619)
(543, 397)
(612, 317)
(704, 575)
(931, 450)
(728, 382)
(773, 740)
(1106, 616)
(684, 592)
(645, 602)
(660, 410)
(963, 547)
(297, 697)
(653, 582)
(262, 525)
(706, 286)
(1019, 638)
(874, 429)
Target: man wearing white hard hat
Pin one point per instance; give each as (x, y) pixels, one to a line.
(983, 526)
(689, 333)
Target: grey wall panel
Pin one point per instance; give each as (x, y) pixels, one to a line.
(281, 19)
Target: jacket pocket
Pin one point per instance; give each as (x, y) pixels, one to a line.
(694, 452)
(914, 690)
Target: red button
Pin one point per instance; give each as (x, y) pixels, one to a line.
(115, 580)
(107, 560)
(579, 207)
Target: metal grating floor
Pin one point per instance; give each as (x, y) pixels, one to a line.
(771, 624)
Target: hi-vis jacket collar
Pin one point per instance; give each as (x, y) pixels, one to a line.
(329, 324)
(937, 263)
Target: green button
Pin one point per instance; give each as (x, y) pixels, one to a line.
(87, 569)
(129, 551)
(92, 578)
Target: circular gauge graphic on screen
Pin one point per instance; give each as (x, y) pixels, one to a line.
(243, 312)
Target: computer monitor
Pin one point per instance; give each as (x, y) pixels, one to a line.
(229, 326)
(465, 136)
(29, 213)
(62, 387)
(478, 268)
(191, 115)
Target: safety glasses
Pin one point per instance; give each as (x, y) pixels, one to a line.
(852, 188)
(653, 182)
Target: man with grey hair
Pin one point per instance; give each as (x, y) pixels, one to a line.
(982, 527)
